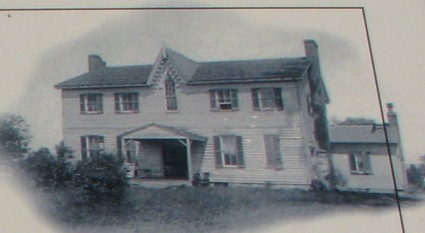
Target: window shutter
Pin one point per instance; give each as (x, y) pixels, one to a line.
(269, 155)
(277, 153)
(255, 100)
(352, 162)
(213, 103)
(278, 98)
(82, 103)
(136, 101)
(217, 152)
(241, 162)
(367, 165)
(117, 102)
(83, 148)
(235, 104)
(119, 148)
(273, 153)
(99, 103)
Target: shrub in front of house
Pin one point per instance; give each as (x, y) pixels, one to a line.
(101, 179)
(47, 171)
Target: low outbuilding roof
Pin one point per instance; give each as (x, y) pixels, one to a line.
(368, 133)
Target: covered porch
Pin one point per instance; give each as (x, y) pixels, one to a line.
(158, 152)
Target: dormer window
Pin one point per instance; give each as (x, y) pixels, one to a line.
(170, 94)
(91, 103)
(224, 99)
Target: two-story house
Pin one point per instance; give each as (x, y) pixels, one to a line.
(247, 121)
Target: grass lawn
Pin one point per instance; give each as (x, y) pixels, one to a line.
(211, 209)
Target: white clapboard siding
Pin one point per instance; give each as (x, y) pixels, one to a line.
(194, 114)
(379, 180)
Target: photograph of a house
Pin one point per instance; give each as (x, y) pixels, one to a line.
(257, 121)
(222, 118)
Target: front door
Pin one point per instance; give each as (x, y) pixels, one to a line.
(175, 161)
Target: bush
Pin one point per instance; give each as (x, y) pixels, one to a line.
(46, 171)
(101, 179)
(414, 176)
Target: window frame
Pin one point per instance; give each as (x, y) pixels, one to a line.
(87, 141)
(120, 102)
(85, 105)
(355, 158)
(220, 154)
(232, 99)
(170, 94)
(273, 151)
(276, 98)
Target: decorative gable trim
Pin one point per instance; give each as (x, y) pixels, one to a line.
(164, 66)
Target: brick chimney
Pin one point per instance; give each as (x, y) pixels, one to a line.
(391, 116)
(95, 62)
(310, 47)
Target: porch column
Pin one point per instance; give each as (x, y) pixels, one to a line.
(123, 150)
(189, 158)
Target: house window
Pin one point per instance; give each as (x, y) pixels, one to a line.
(170, 94)
(273, 153)
(91, 103)
(228, 151)
(91, 146)
(224, 100)
(360, 163)
(126, 102)
(267, 99)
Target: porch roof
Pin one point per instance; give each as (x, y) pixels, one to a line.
(157, 131)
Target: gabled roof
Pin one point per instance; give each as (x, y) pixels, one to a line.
(157, 131)
(195, 73)
(367, 133)
(131, 76)
(280, 69)
(184, 65)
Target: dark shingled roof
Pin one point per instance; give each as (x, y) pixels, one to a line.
(361, 134)
(281, 69)
(110, 77)
(222, 72)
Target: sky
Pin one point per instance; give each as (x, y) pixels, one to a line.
(42, 48)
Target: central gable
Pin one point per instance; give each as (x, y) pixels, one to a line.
(171, 64)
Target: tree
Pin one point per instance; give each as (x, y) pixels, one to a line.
(414, 176)
(14, 135)
(101, 179)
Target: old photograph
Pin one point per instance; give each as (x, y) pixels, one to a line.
(204, 119)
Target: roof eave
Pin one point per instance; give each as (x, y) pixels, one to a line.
(100, 86)
(363, 142)
(206, 82)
